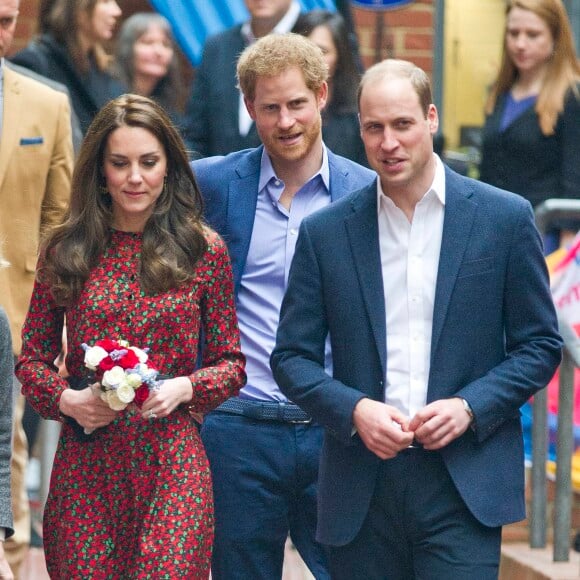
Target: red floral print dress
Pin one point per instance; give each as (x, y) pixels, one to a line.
(135, 501)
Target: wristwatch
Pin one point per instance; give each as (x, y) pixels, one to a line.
(468, 410)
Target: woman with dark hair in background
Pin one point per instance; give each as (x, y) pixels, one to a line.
(340, 126)
(147, 61)
(71, 50)
(130, 493)
(531, 137)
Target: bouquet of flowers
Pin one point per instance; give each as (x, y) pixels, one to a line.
(121, 371)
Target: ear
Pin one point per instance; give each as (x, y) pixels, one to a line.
(433, 119)
(251, 109)
(322, 95)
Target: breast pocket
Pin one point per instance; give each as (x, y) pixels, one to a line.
(476, 267)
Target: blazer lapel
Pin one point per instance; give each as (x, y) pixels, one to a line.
(242, 200)
(338, 178)
(457, 224)
(363, 234)
(11, 120)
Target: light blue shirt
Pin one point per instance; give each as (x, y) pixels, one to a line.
(265, 276)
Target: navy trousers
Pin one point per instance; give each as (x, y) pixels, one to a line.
(418, 528)
(264, 479)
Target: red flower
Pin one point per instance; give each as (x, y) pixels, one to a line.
(106, 364)
(129, 361)
(141, 394)
(108, 344)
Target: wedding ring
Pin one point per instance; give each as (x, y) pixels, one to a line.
(152, 415)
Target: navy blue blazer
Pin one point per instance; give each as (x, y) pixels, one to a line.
(229, 185)
(495, 343)
(211, 123)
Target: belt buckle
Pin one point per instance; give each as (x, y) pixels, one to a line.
(301, 421)
(415, 445)
(282, 407)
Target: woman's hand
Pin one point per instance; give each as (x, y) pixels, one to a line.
(86, 408)
(163, 401)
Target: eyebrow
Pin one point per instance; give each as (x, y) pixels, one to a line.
(150, 154)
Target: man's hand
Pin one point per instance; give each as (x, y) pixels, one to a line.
(382, 428)
(439, 423)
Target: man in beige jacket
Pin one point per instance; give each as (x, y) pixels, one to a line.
(36, 160)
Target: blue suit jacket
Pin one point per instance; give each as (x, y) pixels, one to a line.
(229, 185)
(494, 342)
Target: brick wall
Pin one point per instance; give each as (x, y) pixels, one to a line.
(407, 33)
(26, 27)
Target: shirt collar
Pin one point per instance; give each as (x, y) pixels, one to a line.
(285, 25)
(437, 186)
(267, 172)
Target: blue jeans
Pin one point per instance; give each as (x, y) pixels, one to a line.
(264, 479)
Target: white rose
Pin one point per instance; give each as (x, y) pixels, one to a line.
(113, 377)
(134, 380)
(93, 356)
(125, 393)
(141, 354)
(114, 402)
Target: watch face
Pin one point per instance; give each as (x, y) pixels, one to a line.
(467, 408)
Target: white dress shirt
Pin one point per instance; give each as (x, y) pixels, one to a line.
(410, 261)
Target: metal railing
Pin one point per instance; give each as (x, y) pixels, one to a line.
(547, 214)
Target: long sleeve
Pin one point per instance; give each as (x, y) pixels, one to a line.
(41, 344)
(6, 410)
(222, 371)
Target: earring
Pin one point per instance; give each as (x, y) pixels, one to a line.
(103, 190)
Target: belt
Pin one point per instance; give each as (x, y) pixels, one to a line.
(415, 445)
(265, 410)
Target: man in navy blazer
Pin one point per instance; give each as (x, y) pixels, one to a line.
(216, 122)
(434, 292)
(263, 449)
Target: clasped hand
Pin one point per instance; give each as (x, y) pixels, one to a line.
(163, 401)
(86, 408)
(91, 412)
(386, 431)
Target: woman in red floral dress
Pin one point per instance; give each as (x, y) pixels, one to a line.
(133, 261)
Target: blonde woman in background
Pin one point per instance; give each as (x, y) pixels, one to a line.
(531, 137)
